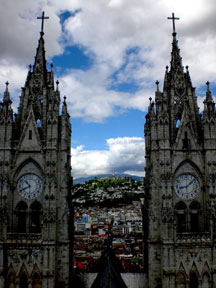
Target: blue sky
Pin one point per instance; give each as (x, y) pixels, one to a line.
(107, 55)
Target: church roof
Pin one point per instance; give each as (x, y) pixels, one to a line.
(109, 271)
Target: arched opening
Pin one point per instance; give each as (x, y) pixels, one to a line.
(186, 141)
(11, 281)
(178, 123)
(180, 281)
(35, 215)
(39, 123)
(206, 281)
(23, 281)
(194, 216)
(181, 217)
(36, 283)
(194, 283)
(21, 211)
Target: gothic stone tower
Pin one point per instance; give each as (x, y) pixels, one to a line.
(180, 183)
(35, 177)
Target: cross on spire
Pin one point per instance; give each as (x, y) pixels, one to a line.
(173, 18)
(42, 22)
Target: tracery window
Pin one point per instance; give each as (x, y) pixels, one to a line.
(194, 283)
(28, 220)
(206, 280)
(11, 281)
(23, 281)
(180, 281)
(36, 283)
(35, 211)
(181, 211)
(194, 216)
(21, 212)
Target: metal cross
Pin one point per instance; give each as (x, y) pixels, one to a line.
(173, 18)
(42, 22)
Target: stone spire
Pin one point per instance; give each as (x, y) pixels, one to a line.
(39, 91)
(37, 77)
(6, 109)
(109, 274)
(7, 94)
(208, 93)
(6, 120)
(209, 105)
(65, 125)
(64, 108)
(176, 60)
(109, 267)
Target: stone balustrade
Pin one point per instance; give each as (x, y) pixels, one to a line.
(23, 237)
(190, 237)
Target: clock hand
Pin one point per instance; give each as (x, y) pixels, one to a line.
(181, 187)
(27, 184)
(25, 188)
(189, 183)
(186, 186)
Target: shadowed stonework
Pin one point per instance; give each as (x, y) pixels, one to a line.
(35, 174)
(108, 271)
(180, 195)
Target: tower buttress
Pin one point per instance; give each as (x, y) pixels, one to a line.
(35, 175)
(180, 182)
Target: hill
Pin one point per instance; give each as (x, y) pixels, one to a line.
(86, 179)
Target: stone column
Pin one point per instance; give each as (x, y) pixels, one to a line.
(214, 280)
(17, 283)
(29, 283)
(2, 279)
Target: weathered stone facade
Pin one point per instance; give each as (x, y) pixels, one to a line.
(180, 183)
(35, 177)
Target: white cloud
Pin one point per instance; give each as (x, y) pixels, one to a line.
(124, 155)
(107, 29)
(19, 30)
(14, 74)
(89, 97)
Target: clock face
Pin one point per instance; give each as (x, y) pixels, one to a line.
(29, 186)
(186, 186)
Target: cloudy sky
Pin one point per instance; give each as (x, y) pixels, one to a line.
(107, 55)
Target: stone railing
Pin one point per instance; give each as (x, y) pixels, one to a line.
(192, 237)
(23, 237)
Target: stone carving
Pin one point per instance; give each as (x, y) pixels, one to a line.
(3, 215)
(212, 206)
(167, 210)
(49, 217)
(180, 87)
(24, 236)
(196, 238)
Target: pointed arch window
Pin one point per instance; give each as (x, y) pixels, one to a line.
(23, 281)
(30, 134)
(186, 141)
(194, 283)
(11, 281)
(194, 216)
(178, 120)
(28, 219)
(35, 217)
(181, 280)
(178, 123)
(181, 211)
(21, 211)
(39, 123)
(206, 280)
(36, 283)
